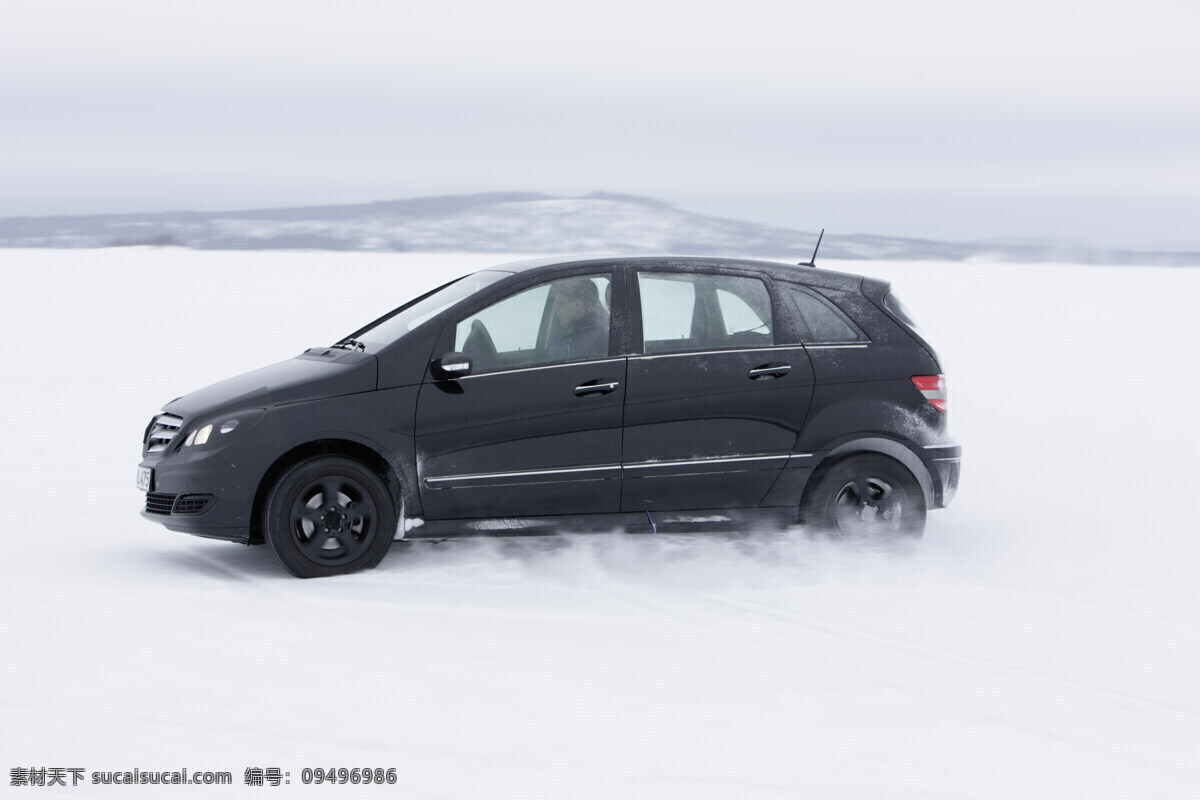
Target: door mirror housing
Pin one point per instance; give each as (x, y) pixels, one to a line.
(452, 365)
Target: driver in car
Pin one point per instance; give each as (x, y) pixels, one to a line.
(582, 322)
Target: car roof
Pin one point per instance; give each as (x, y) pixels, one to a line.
(814, 276)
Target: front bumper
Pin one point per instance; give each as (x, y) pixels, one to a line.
(188, 521)
(206, 493)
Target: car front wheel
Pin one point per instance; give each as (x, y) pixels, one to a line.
(867, 497)
(329, 515)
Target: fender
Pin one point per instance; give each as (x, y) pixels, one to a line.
(888, 447)
(304, 424)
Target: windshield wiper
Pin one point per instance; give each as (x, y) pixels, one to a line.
(350, 344)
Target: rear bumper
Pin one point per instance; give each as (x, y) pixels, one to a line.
(944, 462)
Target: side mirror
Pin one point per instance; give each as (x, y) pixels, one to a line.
(452, 365)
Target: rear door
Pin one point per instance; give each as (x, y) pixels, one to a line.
(535, 429)
(713, 406)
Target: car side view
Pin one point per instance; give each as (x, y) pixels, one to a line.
(641, 394)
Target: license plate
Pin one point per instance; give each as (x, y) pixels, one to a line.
(143, 479)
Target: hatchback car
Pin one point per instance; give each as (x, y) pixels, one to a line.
(640, 394)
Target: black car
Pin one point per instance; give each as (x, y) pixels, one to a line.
(635, 393)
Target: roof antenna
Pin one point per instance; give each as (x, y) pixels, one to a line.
(812, 262)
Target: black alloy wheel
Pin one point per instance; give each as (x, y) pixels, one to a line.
(329, 515)
(867, 497)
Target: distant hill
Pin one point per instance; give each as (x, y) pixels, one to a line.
(521, 223)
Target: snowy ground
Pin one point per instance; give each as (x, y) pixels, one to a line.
(1042, 642)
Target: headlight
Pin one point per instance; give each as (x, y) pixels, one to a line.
(202, 435)
(198, 436)
(214, 432)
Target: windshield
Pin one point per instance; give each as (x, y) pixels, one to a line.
(388, 329)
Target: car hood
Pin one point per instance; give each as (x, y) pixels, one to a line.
(315, 374)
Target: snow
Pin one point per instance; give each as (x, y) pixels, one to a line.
(1040, 642)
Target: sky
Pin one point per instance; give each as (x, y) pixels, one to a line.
(935, 119)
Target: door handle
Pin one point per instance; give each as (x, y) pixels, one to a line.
(596, 387)
(770, 371)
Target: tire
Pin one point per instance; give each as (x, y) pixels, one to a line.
(329, 515)
(867, 498)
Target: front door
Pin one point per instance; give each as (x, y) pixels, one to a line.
(714, 406)
(535, 429)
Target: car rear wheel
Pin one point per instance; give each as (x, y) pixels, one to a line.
(867, 498)
(329, 515)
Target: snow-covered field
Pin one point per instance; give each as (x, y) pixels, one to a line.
(1043, 641)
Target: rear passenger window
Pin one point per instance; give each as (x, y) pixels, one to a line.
(682, 312)
(738, 316)
(667, 309)
(822, 321)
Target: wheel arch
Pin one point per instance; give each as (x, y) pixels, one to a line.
(322, 447)
(873, 445)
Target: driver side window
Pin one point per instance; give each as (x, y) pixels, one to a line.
(562, 320)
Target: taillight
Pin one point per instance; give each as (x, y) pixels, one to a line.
(933, 387)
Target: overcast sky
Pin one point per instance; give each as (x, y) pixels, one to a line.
(937, 119)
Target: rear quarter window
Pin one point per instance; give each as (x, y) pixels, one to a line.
(893, 304)
(820, 320)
